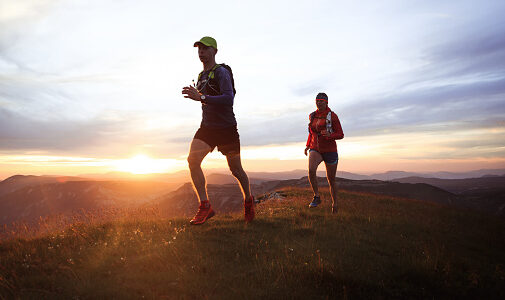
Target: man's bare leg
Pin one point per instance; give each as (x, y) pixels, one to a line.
(238, 172)
(197, 152)
(315, 159)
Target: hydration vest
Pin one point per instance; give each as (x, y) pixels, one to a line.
(329, 129)
(211, 82)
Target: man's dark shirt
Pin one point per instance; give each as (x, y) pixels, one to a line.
(217, 110)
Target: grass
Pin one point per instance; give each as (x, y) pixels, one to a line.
(376, 247)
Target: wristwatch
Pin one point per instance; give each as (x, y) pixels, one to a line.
(202, 98)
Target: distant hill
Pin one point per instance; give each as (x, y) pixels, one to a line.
(30, 197)
(421, 191)
(183, 201)
(228, 197)
(460, 186)
(183, 176)
(484, 193)
(393, 175)
(229, 179)
(31, 202)
(17, 182)
(385, 176)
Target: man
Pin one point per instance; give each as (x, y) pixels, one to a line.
(216, 92)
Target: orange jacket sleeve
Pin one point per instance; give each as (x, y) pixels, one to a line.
(310, 134)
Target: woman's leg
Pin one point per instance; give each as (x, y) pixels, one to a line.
(315, 159)
(331, 172)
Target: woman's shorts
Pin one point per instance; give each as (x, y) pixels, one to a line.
(330, 158)
(226, 139)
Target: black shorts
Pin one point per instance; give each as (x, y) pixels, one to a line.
(226, 139)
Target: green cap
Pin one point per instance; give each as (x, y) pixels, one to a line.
(207, 41)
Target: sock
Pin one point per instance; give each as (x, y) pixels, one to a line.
(205, 204)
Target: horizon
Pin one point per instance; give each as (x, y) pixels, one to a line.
(418, 87)
(224, 171)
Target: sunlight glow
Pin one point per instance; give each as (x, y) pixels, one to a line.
(143, 164)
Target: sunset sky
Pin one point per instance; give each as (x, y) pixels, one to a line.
(95, 86)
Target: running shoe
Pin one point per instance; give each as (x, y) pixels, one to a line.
(249, 209)
(334, 209)
(204, 213)
(315, 202)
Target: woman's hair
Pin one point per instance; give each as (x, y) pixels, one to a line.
(322, 96)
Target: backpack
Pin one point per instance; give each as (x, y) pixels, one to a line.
(212, 76)
(328, 121)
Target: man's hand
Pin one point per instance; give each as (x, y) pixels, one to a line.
(306, 149)
(191, 92)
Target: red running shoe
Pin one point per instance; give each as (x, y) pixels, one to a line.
(249, 209)
(204, 213)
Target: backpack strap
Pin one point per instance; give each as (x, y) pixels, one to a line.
(211, 73)
(329, 128)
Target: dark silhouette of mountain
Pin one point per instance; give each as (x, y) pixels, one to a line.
(460, 186)
(16, 182)
(390, 175)
(29, 203)
(295, 174)
(484, 193)
(183, 201)
(30, 197)
(347, 175)
(420, 191)
(183, 176)
(469, 174)
(228, 197)
(393, 175)
(229, 179)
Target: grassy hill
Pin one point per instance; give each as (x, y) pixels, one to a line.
(376, 247)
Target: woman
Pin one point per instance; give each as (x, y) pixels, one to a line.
(324, 129)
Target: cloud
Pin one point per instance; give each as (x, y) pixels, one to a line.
(17, 16)
(116, 134)
(462, 82)
(289, 128)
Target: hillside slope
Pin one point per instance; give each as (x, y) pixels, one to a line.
(376, 247)
(484, 193)
(30, 203)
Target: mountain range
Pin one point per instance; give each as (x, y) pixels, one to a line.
(28, 198)
(183, 176)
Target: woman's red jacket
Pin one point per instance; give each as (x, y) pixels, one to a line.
(316, 140)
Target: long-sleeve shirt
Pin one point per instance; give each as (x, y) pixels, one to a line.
(217, 109)
(319, 142)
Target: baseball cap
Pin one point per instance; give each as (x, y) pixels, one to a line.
(207, 41)
(322, 96)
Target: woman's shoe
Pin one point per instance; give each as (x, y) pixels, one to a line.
(315, 202)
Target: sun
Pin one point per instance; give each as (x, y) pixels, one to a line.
(143, 164)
